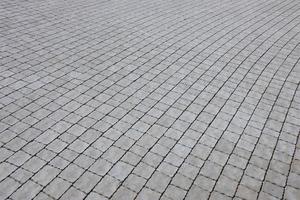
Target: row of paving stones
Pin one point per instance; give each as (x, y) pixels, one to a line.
(140, 99)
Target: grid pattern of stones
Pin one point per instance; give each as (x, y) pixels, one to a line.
(149, 99)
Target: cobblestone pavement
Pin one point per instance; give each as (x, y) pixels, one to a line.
(149, 99)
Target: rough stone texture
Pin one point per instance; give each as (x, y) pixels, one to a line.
(149, 99)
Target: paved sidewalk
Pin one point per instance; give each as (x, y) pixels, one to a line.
(149, 99)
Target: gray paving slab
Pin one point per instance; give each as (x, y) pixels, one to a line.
(149, 99)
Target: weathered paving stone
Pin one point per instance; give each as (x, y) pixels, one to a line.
(149, 99)
(57, 188)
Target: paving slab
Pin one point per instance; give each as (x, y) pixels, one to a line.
(149, 99)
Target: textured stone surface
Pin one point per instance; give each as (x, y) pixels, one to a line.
(149, 99)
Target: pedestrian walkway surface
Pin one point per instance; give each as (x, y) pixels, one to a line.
(149, 99)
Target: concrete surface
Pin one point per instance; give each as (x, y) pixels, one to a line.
(149, 99)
